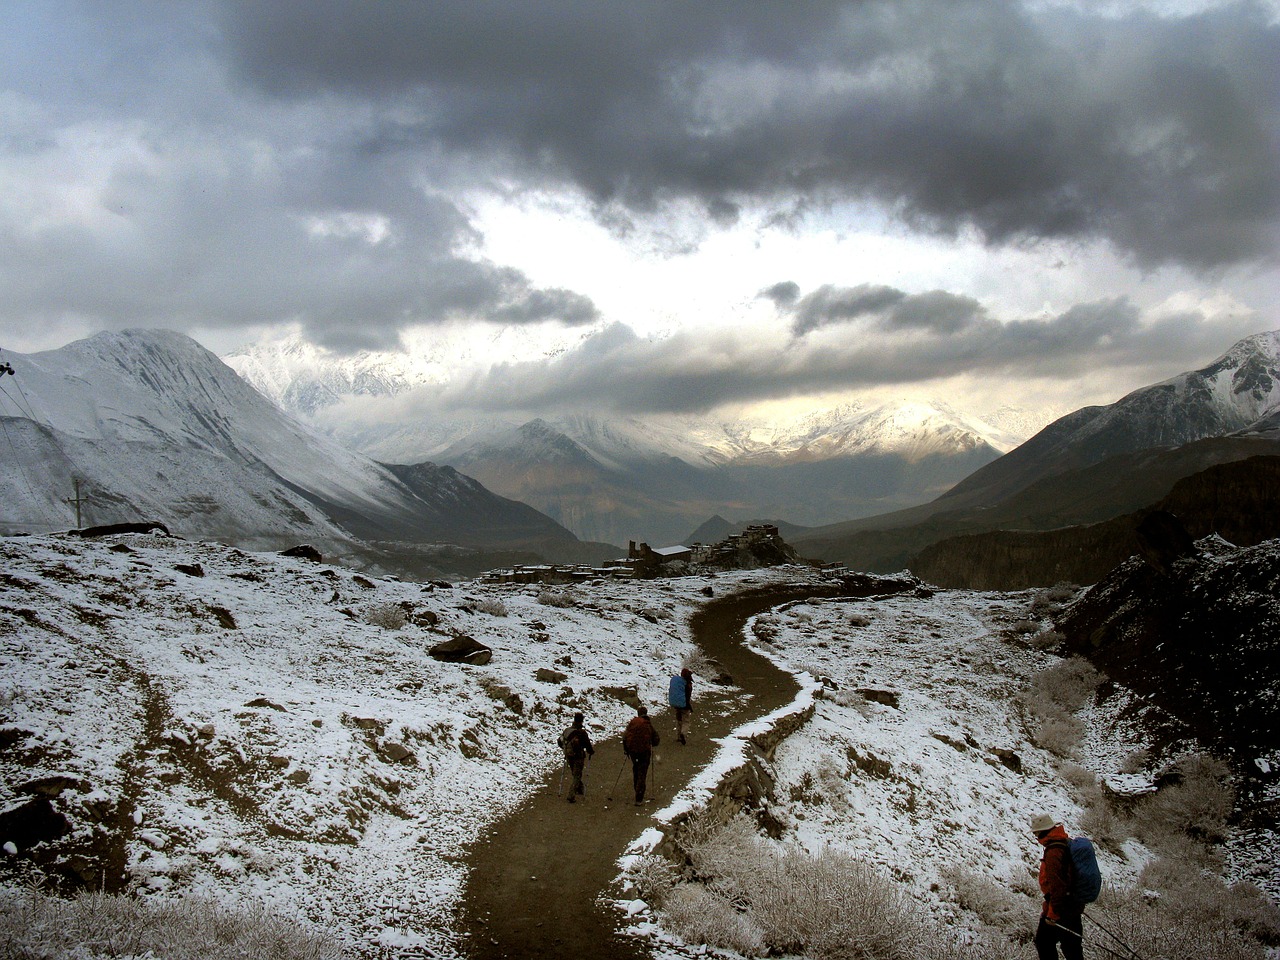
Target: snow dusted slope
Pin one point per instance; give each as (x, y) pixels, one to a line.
(159, 428)
(1236, 391)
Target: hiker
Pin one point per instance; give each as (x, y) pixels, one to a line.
(680, 696)
(638, 740)
(1061, 917)
(576, 744)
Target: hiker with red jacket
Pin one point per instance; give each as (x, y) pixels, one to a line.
(638, 740)
(1061, 916)
(576, 744)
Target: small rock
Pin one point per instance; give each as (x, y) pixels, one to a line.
(190, 569)
(395, 752)
(299, 777)
(550, 676)
(278, 761)
(205, 731)
(264, 702)
(52, 785)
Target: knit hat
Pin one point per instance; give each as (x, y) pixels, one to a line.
(642, 711)
(1042, 822)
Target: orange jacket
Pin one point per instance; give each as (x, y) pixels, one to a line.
(1055, 879)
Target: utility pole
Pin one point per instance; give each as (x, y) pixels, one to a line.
(77, 500)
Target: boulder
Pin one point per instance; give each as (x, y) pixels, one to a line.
(461, 649)
(303, 551)
(395, 752)
(31, 822)
(550, 676)
(52, 785)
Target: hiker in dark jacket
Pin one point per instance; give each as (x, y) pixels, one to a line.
(1061, 918)
(681, 698)
(576, 744)
(638, 740)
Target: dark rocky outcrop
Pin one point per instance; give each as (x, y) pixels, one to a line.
(1200, 639)
(1239, 501)
(303, 551)
(111, 529)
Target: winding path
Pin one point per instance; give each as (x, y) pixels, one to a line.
(536, 880)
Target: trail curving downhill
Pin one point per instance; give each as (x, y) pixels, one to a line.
(536, 881)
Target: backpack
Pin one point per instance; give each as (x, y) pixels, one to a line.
(677, 693)
(638, 737)
(1084, 876)
(571, 742)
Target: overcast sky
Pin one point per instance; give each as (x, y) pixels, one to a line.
(710, 202)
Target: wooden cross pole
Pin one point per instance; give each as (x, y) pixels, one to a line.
(77, 500)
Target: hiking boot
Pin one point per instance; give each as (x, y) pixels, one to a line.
(681, 738)
(571, 798)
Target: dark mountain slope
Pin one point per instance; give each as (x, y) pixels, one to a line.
(1238, 501)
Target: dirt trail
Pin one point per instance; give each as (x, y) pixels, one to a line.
(536, 879)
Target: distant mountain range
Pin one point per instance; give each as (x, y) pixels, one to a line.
(652, 478)
(155, 427)
(1089, 466)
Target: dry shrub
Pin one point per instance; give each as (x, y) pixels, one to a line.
(388, 616)
(826, 906)
(1197, 806)
(859, 620)
(557, 598)
(699, 916)
(653, 878)
(1051, 701)
(1198, 916)
(996, 905)
(1053, 599)
(490, 605)
(93, 925)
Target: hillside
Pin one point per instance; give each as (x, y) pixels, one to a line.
(1238, 501)
(155, 427)
(1090, 466)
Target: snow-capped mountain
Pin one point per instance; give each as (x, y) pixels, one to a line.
(1238, 392)
(157, 428)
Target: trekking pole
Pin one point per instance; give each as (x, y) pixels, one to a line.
(560, 789)
(1132, 952)
(586, 772)
(614, 788)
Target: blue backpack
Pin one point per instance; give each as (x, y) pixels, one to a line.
(1086, 878)
(677, 694)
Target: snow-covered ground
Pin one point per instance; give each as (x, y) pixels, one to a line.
(245, 715)
(262, 728)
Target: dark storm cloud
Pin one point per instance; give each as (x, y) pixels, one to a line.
(699, 371)
(142, 189)
(891, 309)
(1158, 134)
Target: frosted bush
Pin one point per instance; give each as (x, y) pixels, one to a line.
(699, 916)
(388, 616)
(557, 598)
(1198, 806)
(490, 605)
(94, 925)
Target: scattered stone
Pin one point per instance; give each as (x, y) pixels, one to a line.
(299, 777)
(52, 785)
(224, 617)
(317, 723)
(550, 676)
(442, 584)
(206, 731)
(395, 752)
(1008, 759)
(153, 838)
(879, 695)
(303, 551)
(190, 569)
(362, 581)
(707, 592)
(278, 761)
(628, 695)
(264, 702)
(368, 723)
(425, 618)
(120, 548)
(461, 649)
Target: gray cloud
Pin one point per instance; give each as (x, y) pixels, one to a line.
(699, 371)
(936, 311)
(1157, 134)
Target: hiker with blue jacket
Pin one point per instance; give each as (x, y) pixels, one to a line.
(680, 696)
(1061, 917)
